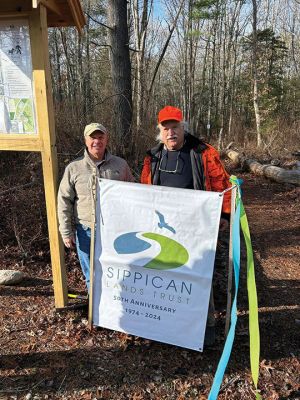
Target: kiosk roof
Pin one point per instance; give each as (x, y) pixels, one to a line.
(59, 12)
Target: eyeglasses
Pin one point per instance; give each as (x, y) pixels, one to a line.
(166, 170)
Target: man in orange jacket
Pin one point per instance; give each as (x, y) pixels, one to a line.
(181, 160)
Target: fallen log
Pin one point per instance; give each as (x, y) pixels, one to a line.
(277, 174)
(272, 172)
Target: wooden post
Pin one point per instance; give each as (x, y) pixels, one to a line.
(230, 263)
(46, 128)
(92, 251)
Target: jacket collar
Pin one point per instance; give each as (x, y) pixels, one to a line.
(107, 157)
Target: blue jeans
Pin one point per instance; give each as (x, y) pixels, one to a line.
(83, 245)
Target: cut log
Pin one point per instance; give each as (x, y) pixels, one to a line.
(276, 174)
(234, 156)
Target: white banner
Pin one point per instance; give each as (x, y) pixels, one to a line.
(154, 256)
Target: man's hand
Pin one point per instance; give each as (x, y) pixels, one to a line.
(223, 224)
(69, 242)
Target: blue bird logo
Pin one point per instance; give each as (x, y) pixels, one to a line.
(172, 254)
(162, 223)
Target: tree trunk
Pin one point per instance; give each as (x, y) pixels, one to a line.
(276, 174)
(140, 24)
(59, 93)
(161, 57)
(212, 77)
(87, 90)
(255, 84)
(121, 72)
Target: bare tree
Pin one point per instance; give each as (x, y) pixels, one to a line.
(141, 15)
(191, 55)
(120, 71)
(254, 75)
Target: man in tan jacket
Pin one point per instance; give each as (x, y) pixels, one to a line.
(75, 191)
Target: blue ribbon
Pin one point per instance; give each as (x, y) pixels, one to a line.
(213, 394)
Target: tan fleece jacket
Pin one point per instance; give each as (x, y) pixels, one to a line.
(75, 192)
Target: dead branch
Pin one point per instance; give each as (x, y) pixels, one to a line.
(10, 190)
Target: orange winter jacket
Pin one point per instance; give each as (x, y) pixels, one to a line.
(208, 170)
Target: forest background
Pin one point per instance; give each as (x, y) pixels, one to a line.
(232, 66)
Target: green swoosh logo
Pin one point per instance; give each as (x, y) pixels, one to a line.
(172, 255)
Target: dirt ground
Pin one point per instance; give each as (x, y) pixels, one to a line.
(45, 354)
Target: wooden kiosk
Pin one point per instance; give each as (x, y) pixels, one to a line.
(26, 106)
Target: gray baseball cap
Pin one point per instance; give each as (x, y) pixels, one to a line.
(94, 126)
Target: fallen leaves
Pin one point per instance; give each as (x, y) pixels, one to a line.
(266, 367)
(52, 355)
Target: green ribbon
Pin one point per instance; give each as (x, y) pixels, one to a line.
(252, 293)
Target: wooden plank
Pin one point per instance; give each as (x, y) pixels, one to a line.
(51, 5)
(74, 15)
(14, 15)
(64, 13)
(45, 117)
(92, 251)
(77, 14)
(15, 5)
(20, 142)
